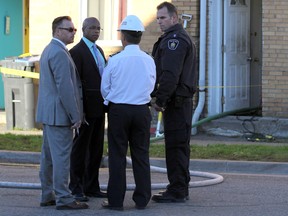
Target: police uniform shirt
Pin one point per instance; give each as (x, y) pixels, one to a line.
(175, 59)
(129, 77)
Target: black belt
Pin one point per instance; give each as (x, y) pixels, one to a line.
(111, 103)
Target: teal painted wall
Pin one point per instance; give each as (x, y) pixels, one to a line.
(11, 44)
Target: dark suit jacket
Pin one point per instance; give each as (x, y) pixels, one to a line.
(90, 78)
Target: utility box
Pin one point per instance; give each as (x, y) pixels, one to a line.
(19, 96)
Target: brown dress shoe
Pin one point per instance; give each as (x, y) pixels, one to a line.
(73, 206)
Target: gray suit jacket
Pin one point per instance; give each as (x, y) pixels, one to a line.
(60, 90)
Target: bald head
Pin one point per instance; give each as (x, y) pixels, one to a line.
(91, 28)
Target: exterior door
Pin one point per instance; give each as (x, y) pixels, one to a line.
(236, 58)
(11, 40)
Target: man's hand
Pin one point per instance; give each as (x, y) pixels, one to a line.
(155, 106)
(76, 125)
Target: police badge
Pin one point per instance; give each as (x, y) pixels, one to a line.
(173, 44)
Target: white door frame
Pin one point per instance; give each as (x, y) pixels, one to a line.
(215, 57)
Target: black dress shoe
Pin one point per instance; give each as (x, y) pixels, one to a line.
(73, 206)
(98, 194)
(140, 207)
(49, 203)
(167, 197)
(187, 197)
(105, 204)
(81, 197)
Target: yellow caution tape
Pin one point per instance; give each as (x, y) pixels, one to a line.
(25, 55)
(21, 73)
(36, 76)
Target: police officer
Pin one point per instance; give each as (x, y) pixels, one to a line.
(127, 82)
(175, 57)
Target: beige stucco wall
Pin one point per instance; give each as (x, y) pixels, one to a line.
(41, 15)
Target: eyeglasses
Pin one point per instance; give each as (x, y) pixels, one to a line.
(95, 28)
(69, 29)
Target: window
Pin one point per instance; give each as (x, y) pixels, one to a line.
(110, 13)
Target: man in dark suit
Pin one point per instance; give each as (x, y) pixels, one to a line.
(87, 150)
(60, 110)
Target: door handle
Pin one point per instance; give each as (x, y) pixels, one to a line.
(249, 59)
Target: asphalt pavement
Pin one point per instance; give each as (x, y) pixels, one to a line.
(246, 188)
(238, 195)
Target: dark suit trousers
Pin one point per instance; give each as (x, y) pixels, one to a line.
(177, 129)
(86, 157)
(129, 124)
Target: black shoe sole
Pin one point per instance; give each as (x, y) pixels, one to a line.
(167, 200)
(49, 203)
(75, 205)
(71, 208)
(108, 206)
(97, 195)
(81, 199)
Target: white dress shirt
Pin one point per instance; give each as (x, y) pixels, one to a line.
(129, 77)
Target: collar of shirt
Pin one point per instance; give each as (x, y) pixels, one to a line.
(60, 42)
(173, 28)
(88, 43)
(90, 46)
(132, 47)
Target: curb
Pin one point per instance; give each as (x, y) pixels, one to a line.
(19, 157)
(219, 166)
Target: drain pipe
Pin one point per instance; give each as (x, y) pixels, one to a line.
(202, 65)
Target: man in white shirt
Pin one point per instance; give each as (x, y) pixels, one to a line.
(127, 82)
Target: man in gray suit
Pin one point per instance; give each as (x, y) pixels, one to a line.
(60, 110)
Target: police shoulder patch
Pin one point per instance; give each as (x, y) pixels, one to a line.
(173, 44)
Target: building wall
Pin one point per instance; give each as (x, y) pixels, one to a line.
(152, 32)
(275, 64)
(41, 16)
(275, 39)
(40, 23)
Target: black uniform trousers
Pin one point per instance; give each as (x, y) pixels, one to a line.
(177, 129)
(86, 157)
(129, 124)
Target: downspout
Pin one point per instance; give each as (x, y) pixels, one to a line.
(202, 65)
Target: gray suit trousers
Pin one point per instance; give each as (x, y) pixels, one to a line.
(55, 164)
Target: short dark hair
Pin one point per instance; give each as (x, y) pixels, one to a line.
(58, 21)
(133, 37)
(170, 8)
